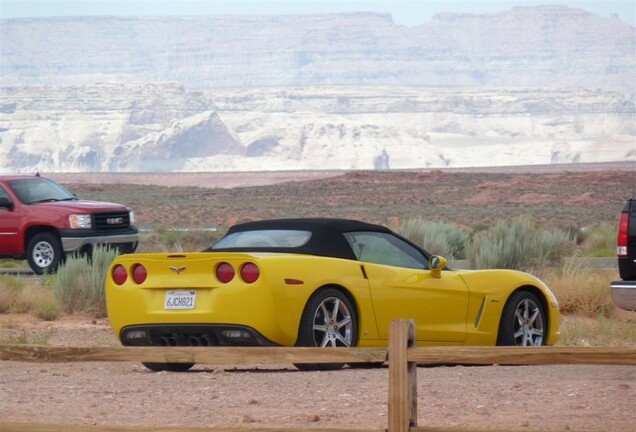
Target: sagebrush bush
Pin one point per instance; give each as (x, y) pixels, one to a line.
(78, 285)
(517, 244)
(46, 310)
(439, 238)
(599, 240)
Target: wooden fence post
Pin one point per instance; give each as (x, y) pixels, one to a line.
(402, 377)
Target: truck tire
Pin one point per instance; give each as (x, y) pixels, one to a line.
(44, 253)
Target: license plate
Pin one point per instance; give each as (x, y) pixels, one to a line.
(180, 299)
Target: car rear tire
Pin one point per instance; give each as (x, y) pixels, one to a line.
(329, 320)
(169, 367)
(523, 321)
(44, 253)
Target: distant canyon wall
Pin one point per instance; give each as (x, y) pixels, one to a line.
(532, 85)
(542, 46)
(164, 127)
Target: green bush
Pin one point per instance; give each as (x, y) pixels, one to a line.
(46, 311)
(599, 240)
(518, 244)
(439, 238)
(78, 285)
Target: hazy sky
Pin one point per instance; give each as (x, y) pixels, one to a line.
(404, 12)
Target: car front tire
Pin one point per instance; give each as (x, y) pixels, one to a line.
(523, 321)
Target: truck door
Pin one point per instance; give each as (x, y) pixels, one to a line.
(10, 243)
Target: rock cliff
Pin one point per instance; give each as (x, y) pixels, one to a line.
(541, 46)
(164, 127)
(532, 85)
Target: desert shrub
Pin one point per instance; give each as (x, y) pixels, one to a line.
(438, 238)
(10, 289)
(46, 310)
(599, 240)
(518, 244)
(26, 297)
(168, 240)
(581, 290)
(78, 285)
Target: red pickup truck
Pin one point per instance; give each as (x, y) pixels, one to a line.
(42, 222)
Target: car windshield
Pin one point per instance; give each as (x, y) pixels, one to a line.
(38, 189)
(264, 238)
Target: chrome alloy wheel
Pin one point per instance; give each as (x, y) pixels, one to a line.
(43, 254)
(528, 324)
(332, 324)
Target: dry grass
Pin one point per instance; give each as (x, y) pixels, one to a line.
(580, 290)
(618, 331)
(33, 297)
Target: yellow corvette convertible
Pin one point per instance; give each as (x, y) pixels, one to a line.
(319, 282)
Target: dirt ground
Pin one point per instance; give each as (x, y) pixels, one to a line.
(585, 398)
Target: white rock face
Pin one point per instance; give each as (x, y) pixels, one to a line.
(543, 46)
(143, 127)
(533, 85)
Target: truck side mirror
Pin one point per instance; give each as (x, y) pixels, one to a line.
(6, 203)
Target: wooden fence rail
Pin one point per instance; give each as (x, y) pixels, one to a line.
(402, 355)
(267, 355)
(201, 355)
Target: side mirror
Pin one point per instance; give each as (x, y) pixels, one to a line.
(436, 264)
(6, 203)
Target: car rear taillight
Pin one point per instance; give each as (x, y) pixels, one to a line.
(119, 274)
(623, 230)
(224, 272)
(139, 273)
(250, 273)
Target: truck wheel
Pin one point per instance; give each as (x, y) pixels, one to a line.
(44, 253)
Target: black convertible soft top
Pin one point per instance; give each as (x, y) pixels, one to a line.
(326, 235)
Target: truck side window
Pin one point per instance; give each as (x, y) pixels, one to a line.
(4, 194)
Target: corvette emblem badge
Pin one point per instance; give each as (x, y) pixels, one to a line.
(177, 270)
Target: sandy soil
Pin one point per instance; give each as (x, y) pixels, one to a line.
(260, 178)
(586, 398)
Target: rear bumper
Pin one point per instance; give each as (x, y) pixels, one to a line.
(126, 243)
(192, 335)
(624, 294)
